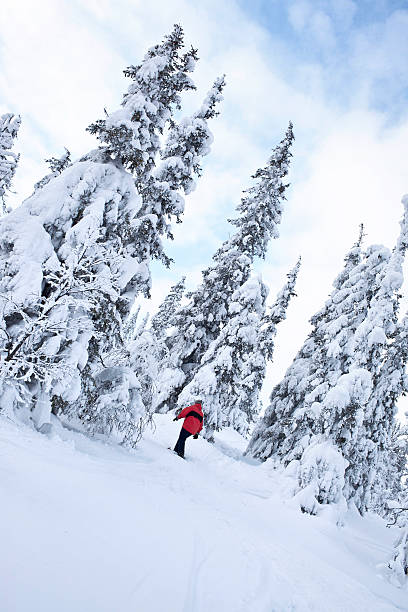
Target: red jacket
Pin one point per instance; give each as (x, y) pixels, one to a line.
(191, 416)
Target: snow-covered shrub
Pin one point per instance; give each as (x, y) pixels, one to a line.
(118, 408)
(320, 476)
(398, 564)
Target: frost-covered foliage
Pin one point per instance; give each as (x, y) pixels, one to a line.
(57, 165)
(130, 327)
(9, 126)
(114, 204)
(199, 323)
(43, 339)
(146, 352)
(119, 407)
(333, 388)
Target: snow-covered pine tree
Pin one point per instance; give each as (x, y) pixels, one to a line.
(324, 397)
(297, 416)
(146, 346)
(388, 439)
(57, 165)
(9, 126)
(163, 318)
(362, 429)
(132, 133)
(199, 322)
(291, 418)
(97, 202)
(188, 141)
(277, 313)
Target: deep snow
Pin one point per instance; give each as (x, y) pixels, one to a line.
(89, 527)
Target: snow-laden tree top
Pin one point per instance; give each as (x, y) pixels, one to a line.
(132, 133)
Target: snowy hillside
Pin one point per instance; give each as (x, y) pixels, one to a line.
(89, 527)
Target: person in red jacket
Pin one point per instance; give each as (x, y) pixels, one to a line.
(193, 424)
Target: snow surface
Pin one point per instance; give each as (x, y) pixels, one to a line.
(90, 527)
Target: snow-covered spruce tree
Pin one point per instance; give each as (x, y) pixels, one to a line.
(132, 135)
(162, 320)
(9, 126)
(388, 441)
(295, 419)
(325, 396)
(362, 429)
(233, 368)
(199, 322)
(57, 165)
(97, 202)
(291, 418)
(277, 313)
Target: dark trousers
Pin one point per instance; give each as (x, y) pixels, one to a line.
(179, 448)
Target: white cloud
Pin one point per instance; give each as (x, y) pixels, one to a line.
(316, 23)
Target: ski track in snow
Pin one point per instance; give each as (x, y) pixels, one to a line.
(86, 526)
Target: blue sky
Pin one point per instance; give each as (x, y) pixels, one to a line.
(337, 68)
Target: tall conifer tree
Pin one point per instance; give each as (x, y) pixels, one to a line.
(199, 322)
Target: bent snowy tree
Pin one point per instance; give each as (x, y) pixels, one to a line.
(199, 323)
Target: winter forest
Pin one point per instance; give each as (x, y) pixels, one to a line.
(80, 353)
